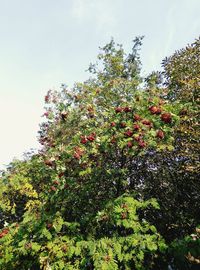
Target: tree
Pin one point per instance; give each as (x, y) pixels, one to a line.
(177, 173)
(81, 203)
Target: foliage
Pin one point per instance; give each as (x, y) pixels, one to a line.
(175, 181)
(126, 243)
(84, 201)
(181, 71)
(186, 251)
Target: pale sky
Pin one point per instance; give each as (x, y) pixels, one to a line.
(46, 43)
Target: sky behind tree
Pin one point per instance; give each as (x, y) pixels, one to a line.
(46, 43)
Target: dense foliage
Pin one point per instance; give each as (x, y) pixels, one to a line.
(115, 183)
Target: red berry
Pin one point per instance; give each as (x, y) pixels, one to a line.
(160, 134)
(136, 117)
(118, 109)
(136, 127)
(158, 111)
(127, 109)
(46, 114)
(141, 144)
(78, 152)
(166, 117)
(128, 133)
(4, 232)
(47, 98)
(146, 122)
(83, 140)
(91, 137)
(77, 156)
(153, 109)
(129, 144)
(53, 188)
(113, 124)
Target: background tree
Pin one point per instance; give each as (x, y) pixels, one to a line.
(177, 173)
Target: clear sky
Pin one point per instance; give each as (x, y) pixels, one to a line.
(44, 43)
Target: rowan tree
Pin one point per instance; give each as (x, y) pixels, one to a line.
(85, 201)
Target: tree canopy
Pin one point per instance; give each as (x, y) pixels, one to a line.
(115, 184)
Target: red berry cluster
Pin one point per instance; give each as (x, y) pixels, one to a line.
(53, 188)
(123, 109)
(127, 109)
(47, 98)
(128, 133)
(155, 110)
(147, 123)
(46, 114)
(136, 117)
(160, 134)
(83, 140)
(78, 153)
(166, 118)
(129, 144)
(91, 137)
(136, 127)
(4, 232)
(141, 143)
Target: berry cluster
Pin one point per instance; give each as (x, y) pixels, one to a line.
(4, 232)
